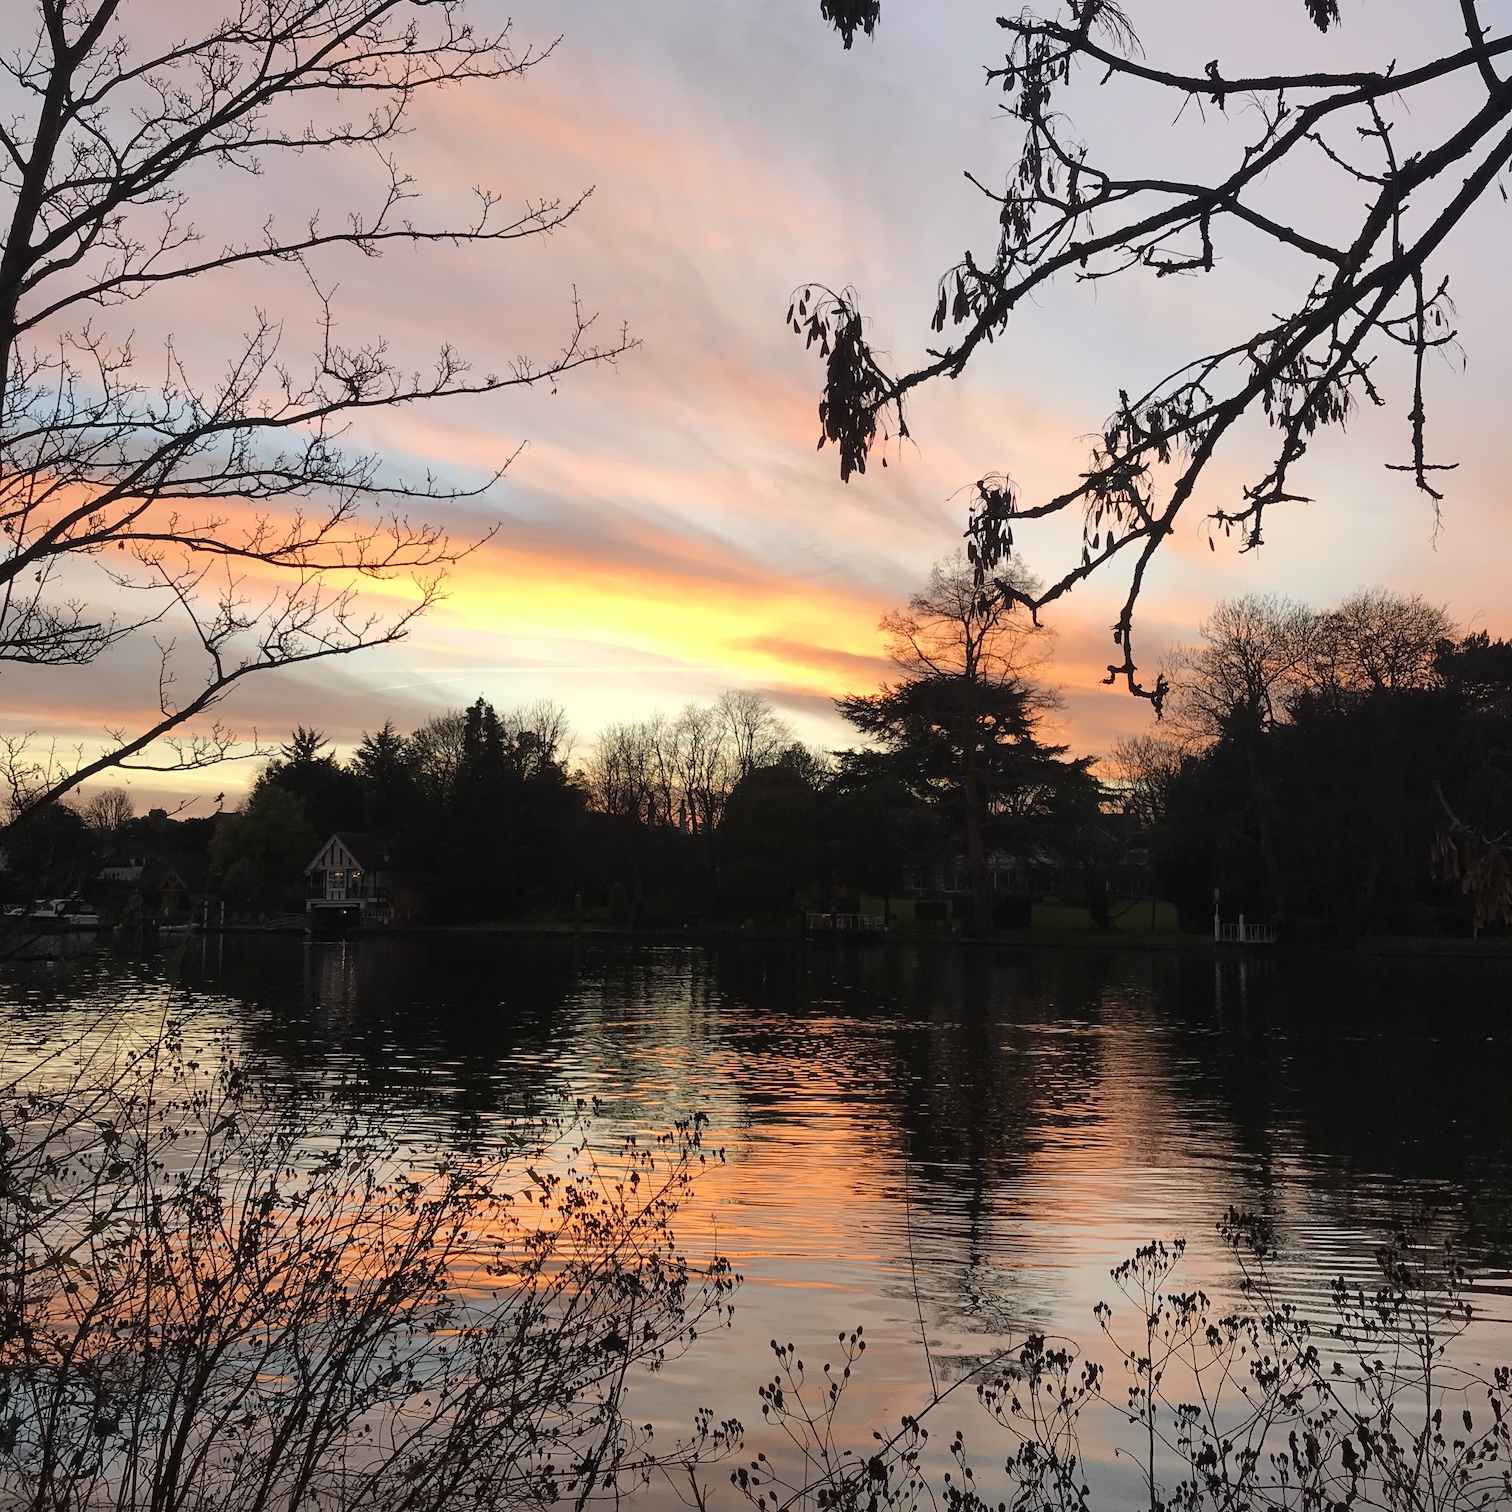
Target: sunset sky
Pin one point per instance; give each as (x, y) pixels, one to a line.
(669, 529)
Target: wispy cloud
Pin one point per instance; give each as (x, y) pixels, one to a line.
(669, 529)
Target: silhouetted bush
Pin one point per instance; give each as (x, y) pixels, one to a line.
(217, 1291)
(1262, 1408)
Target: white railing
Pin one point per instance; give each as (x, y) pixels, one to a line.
(841, 923)
(1242, 933)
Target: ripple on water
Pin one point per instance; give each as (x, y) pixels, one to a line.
(921, 1142)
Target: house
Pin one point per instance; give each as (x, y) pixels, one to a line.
(353, 881)
(170, 888)
(174, 895)
(126, 869)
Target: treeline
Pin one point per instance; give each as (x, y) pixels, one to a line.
(1340, 772)
(1334, 772)
(715, 813)
(721, 812)
(496, 818)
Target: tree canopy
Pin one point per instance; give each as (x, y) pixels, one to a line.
(1333, 769)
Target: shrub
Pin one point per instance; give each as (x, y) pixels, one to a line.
(218, 1290)
(1256, 1409)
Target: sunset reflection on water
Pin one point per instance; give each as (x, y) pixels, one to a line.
(912, 1134)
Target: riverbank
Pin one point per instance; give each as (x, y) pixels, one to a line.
(1160, 940)
(1163, 941)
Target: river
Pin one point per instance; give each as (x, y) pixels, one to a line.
(934, 1142)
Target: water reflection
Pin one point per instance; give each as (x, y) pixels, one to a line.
(976, 1136)
(1361, 1079)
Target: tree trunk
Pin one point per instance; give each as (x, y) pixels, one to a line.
(976, 857)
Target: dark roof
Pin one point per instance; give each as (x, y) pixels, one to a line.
(178, 869)
(369, 851)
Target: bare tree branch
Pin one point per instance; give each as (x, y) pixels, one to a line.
(138, 487)
(1062, 214)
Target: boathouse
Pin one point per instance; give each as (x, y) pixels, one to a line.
(353, 881)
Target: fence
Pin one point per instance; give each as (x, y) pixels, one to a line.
(1242, 933)
(842, 923)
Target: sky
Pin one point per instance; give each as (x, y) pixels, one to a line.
(667, 528)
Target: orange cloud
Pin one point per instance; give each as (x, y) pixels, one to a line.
(669, 530)
(680, 602)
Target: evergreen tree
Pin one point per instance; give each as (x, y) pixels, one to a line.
(307, 769)
(959, 729)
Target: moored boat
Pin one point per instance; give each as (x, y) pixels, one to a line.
(55, 914)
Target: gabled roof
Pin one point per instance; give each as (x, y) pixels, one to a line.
(179, 871)
(346, 848)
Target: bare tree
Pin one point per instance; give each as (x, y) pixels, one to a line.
(620, 773)
(1255, 654)
(223, 510)
(664, 738)
(1403, 153)
(952, 628)
(680, 771)
(757, 735)
(1140, 771)
(1259, 652)
(540, 732)
(705, 765)
(436, 751)
(1377, 640)
(107, 810)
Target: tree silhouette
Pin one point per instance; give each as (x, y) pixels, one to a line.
(959, 727)
(223, 509)
(1403, 153)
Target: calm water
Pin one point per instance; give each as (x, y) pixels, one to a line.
(971, 1138)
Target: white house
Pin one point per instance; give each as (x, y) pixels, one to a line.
(350, 880)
